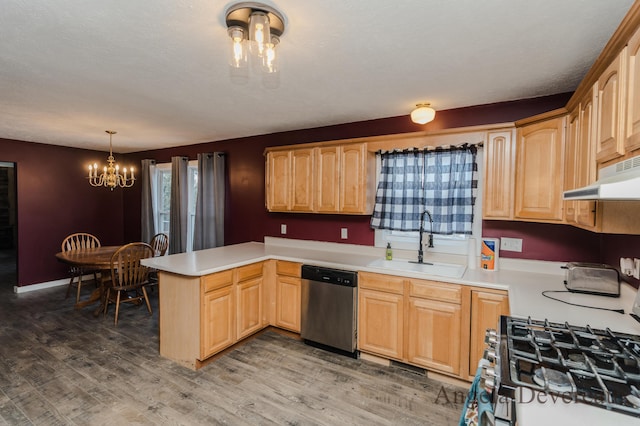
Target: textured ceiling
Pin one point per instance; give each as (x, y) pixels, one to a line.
(157, 73)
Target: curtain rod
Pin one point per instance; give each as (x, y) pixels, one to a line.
(434, 148)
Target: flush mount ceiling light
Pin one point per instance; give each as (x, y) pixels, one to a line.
(423, 113)
(110, 176)
(254, 31)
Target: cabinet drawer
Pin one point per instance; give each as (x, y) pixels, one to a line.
(288, 268)
(250, 271)
(381, 282)
(217, 280)
(435, 291)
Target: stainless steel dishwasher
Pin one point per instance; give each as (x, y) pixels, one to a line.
(328, 309)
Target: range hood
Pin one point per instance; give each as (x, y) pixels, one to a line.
(620, 181)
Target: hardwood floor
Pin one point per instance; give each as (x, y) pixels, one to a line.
(63, 366)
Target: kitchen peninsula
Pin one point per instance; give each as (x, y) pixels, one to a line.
(211, 299)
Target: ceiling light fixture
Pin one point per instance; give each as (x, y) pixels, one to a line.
(423, 113)
(254, 31)
(110, 176)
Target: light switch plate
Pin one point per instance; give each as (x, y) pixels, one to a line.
(511, 244)
(344, 233)
(283, 229)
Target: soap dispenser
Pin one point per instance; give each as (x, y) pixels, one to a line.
(389, 252)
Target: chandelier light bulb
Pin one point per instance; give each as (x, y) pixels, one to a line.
(110, 177)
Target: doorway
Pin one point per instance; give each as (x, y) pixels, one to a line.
(8, 228)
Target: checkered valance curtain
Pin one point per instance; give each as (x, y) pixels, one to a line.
(442, 181)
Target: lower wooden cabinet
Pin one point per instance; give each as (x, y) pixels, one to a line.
(431, 324)
(218, 321)
(434, 335)
(288, 295)
(486, 308)
(380, 323)
(249, 304)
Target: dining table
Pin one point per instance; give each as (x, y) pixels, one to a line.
(92, 258)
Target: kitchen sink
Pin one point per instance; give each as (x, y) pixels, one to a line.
(450, 270)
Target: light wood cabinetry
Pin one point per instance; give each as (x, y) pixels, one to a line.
(499, 168)
(278, 180)
(302, 188)
(410, 320)
(434, 326)
(572, 159)
(288, 288)
(249, 300)
(610, 111)
(381, 315)
(539, 171)
(327, 188)
(632, 128)
(585, 163)
(322, 178)
(218, 321)
(355, 196)
(486, 308)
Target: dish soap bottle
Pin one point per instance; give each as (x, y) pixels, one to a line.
(389, 252)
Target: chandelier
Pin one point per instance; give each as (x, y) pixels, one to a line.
(254, 30)
(110, 176)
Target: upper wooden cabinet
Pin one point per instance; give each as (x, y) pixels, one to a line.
(632, 128)
(499, 161)
(610, 112)
(572, 159)
(321, 179)
(539, 171)
(278, 178)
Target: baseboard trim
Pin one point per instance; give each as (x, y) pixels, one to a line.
(47, 284)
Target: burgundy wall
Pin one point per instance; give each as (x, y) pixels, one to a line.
(54, 200)
(246, 216)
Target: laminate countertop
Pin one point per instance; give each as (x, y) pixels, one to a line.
(524, 280)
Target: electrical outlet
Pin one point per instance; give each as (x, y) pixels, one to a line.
(344, 233)
(283, 229)
(511, 244)
(636, 269)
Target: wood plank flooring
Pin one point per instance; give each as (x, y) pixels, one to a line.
(61, 366)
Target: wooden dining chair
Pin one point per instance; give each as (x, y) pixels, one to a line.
(159, 243)
(78, 241)
(128, 277)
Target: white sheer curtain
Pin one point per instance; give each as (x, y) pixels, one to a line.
(148, 228)
(209, 217)
(179, 205)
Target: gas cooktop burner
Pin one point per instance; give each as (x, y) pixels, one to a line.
(552, 379)
(597, 367)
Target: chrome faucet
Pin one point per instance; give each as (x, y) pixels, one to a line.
(430, 244)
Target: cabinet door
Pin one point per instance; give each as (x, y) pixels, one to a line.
(380, 323)
(486, 308)
(218, 321)
(353, 174)
(328, 179)
(499, 165)
(586, 165)
(434, 335)
(249, 306)
(571, 164)
(610, 111)
(302, 180)
(632, 132)
(278, 178)
(288, 303)
(539, 172)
